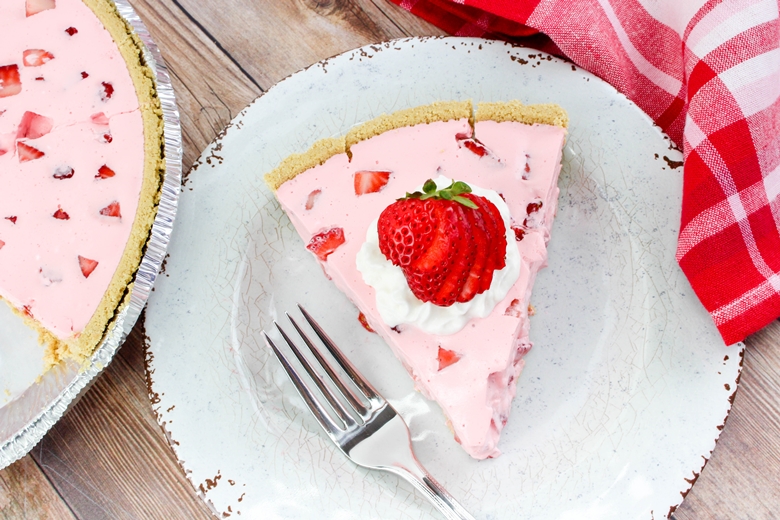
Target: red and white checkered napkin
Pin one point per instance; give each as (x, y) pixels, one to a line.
(708, 73)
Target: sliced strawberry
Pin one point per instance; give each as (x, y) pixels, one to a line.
(71, 31)
(406, 231)
(363, 321)
(426, 275)
(99, 119)
(464, 256)
(447, 358)
(27, 152)
(112, 210)
(311, 199)
(10, 82)
(370, 181)
(481, 240)
(87, 266)
(107, 92)
(64, 172)
(36, 57)
(323, 244)
(12, 218)
(104, 172)
(36, 6)
(496, 232)
(61, 215)
(33, 126)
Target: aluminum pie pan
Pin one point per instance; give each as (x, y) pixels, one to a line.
(25, 420)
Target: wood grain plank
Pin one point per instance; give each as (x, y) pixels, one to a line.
(25, 492)
(272, 40)
(108, 457)
(210, 89)
(741, 478)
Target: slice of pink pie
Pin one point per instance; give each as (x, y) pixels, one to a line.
(463, 347)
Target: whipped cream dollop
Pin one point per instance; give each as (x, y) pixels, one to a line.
(398, 305)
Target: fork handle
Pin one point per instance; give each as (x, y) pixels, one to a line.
(433, 491)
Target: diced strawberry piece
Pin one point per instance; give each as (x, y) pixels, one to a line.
(40, 78)
(519, 233)
(106, 138)
(27, 152)
(10, 82)
(87, 266)
(12, 219)
(64, 172)
(112, 210)
(36, 6)
(71, 31)
(323, 244)
(61, 215)
(36, 57)
(447, 358)
(473, 145)
(107, 92)
(84, 75)
(533, 220)
(370, 181)
(33, 126)
(99, 119)
(311, 199)
(363, 321)
(104, 172)
(514, 309)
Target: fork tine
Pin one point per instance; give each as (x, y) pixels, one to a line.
(348, 394)
(349, 368)
(311, 401)
(343, 414)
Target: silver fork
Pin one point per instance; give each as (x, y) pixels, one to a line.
(372, 435)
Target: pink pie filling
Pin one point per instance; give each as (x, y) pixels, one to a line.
(475, 391)
(76, 105)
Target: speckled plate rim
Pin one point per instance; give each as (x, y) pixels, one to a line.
(205, 466)
(21, 442)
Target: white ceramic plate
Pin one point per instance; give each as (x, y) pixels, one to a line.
(624, 392)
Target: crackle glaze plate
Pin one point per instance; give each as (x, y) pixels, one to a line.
(624, 393)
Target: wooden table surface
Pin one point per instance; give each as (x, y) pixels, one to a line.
(108, 457)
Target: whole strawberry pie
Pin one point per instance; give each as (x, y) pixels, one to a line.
(434, 222)
(80, 167)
